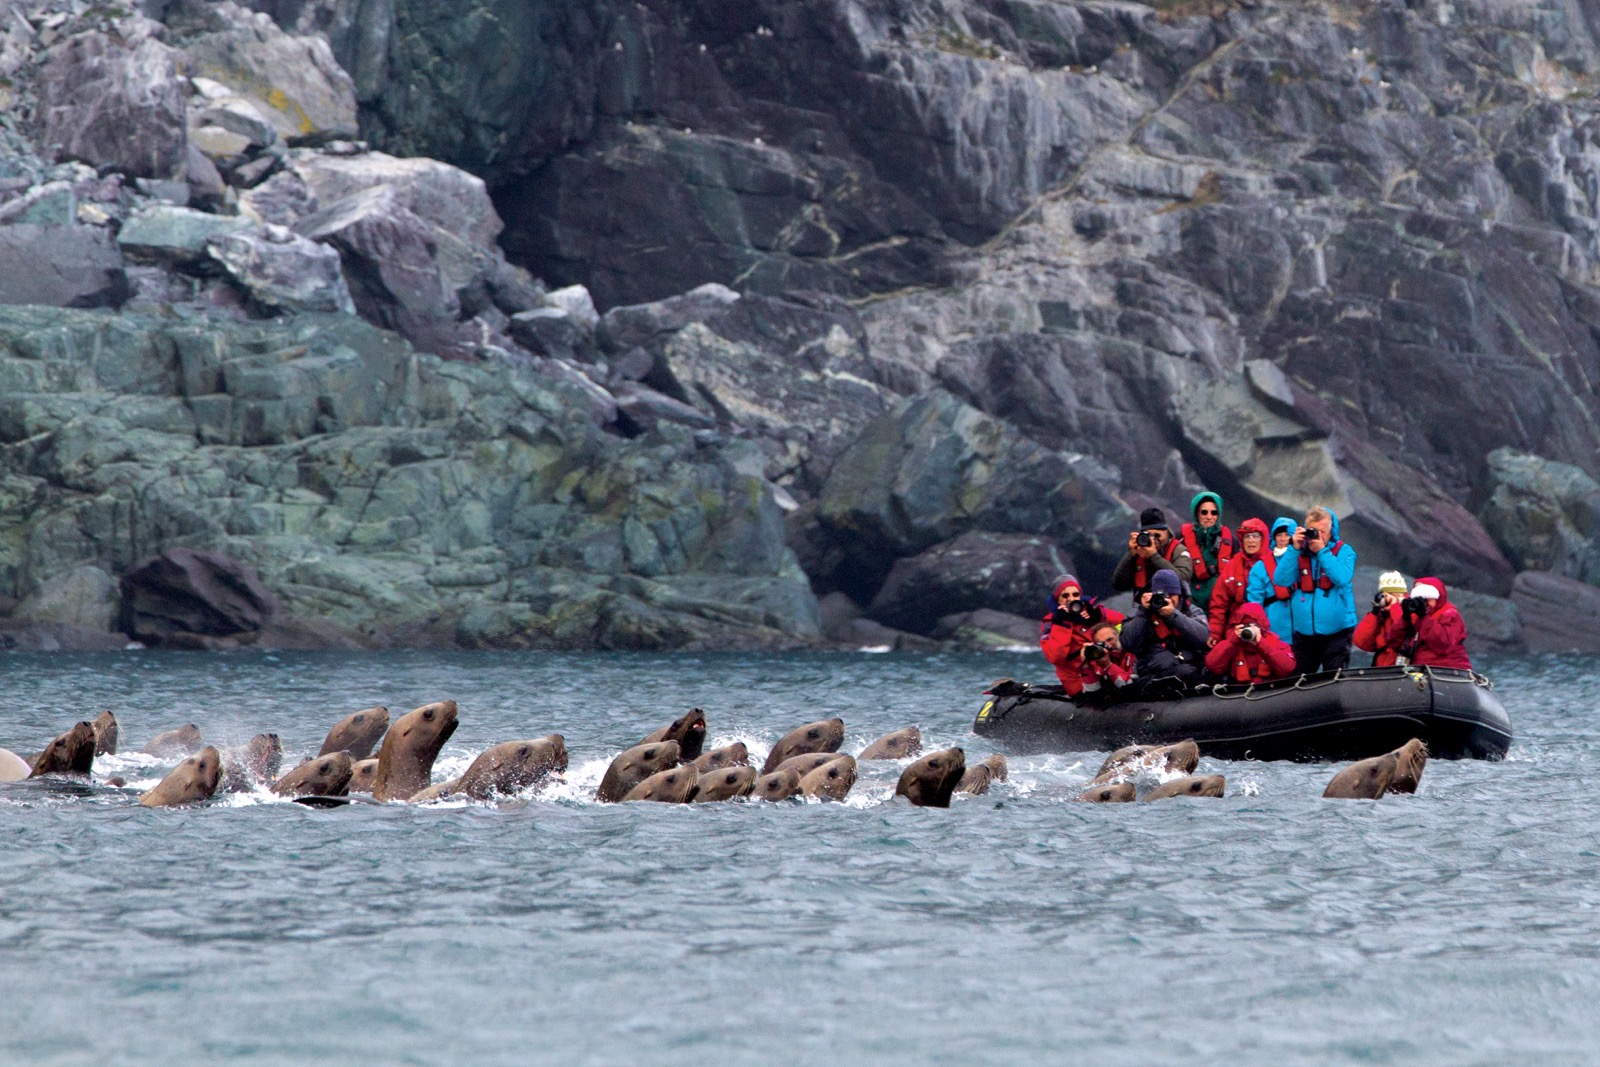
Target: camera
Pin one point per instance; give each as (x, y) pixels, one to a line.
(1145, 539)
(1313, 534)
(1078, 611)
(1380, 602)
(1414, 605)
(1094, 651)
(1250, 634)
(1158, 601)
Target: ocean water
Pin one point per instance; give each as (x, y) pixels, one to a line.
(1457, 926)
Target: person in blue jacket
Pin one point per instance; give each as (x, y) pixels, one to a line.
(1322, 607)
(1261, 590)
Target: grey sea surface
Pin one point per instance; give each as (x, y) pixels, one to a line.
(1458, 926)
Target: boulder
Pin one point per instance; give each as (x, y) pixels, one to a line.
(641, 408)
(445, 197)
(868, 635)
(84, 597)
(1010, 573)
(184, 594)
(1559, 614)
(62, 266)
(282, 270)
(1544, 514)
(551, 331)
(166, 233)
(50, 204)
(986, 630)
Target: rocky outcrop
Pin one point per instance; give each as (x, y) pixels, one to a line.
(1008, 573)
(182, 597)
(1547, 514)
(1558, 613)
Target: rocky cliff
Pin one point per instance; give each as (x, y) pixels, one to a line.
(862, 279)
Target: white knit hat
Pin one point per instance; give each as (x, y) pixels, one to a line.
(1392, 582)
(1425, 591)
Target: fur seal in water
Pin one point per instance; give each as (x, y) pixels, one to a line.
(1120, 793)
(105, 734)
(676, 786)
(357, 733)
(725, 783)
(779, 785)
(1204, 785)
(71, 753)
(183, 741)
(902, 744)
(633, 766)
(192, 781)
(1366, 779)
(977, 778)
(325, 776)
(1412, 758)
(689, 730)
(734, 755)
(255, 764)
(929, 782)
(825, 735)
(1182, 757)
(405, 762)
(363, 774)
(832, 780)
(506, 769)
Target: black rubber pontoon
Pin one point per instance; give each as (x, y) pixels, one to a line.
(1341, 715)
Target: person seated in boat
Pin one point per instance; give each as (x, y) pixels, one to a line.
(1262, 590)
(1066, 630)
(1250, 652)
(1322, 605)
(1151, 549)
(1432, 632)
(1378, 631)
(1107, 669)
(1233, 584)
(1210, 546)
(1167, 635)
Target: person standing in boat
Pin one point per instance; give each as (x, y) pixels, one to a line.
(1210, 546)
(1064, 633)
(1167, 635)
(1233, 584)
(1151, 549)
(1378, 631)
(1262, 590)
(1432, 632)
(1250, 652)
(1322, 606)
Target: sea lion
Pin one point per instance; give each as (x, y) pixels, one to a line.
(71, 753)
(1120, 793)
(405, 761)
(362, 775)
(180, 742)
(831, 781)
(193, 780)
(902, 744)
(255, 764)
(725, 783)
(779, 785)
(734, 755)
(689, 730)
(633, 766)
(105, 734)
(1182, 758)
(675, 786)
(512, 767)
(1367, 779)
(929, 782)
(825, 735)
(1412, 758)
(325, 776)
(1204, 785)
(977, 778)
(807, 762)
(13, 768)
(357, 733)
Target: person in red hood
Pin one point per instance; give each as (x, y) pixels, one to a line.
(1251, 652)
(1068, 628)
(1234, 581)
(1431, 628)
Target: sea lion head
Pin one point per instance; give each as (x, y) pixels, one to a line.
(1203, 785)
(976, 780)
(725, 783)
(1411, 758)
(363, 774)
(1119, 793)
(325, 776)
(193, 780)
(1366, 779)
(689, 731)
(902, 744)
(807, 762)
(513, 766)
(929, 782)
(405, 761)
(357, 733)
(263, 755)
(71, 753)
(105, 734)
(997, 766)
(180, 742)
(824, 735)
(734, 755)
(779, 785)
(676, 786)
(832, 780)
(633, 766)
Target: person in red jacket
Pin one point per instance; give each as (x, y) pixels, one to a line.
(1251, 652)
(1067, 629)
(1431, 629)
(1107, 670)
(1234, 581)
(1379, 630)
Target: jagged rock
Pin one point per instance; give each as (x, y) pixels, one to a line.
(988, 630)
(1009, 573)
(62, 266)
(1546, 515)
(650, 325)
(50, 204)
(642, 409)
(866, 634)
(164, 233)
(453, 201)
(550, 332)
(283, 270)
(84, 597)
(577, 303)
(206, 187)
(183, 594)
(220, 144)
(238, 115)
(283, 199)
(1558, 614)
(24, 636)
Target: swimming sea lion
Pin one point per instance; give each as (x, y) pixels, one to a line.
(779, 785)
(71, 753)
(1120, 793)
(180, 742)
(823, 736)
(105, 734)
(689, 730)
(513, 767)
(977, 778)
(633, 766)
(831, 781)
(1182, 757)
(1367, 779)
(902, 744)
(362, 775)
(929, 782)
(13, 768)
(734, 755)
(807, 762)
(725, 783)
(405, 762)
(675, 786)
(1412, 758)
(357, 733)
(193, 780)
(255, 764)
(1205, 785)
(325, 776)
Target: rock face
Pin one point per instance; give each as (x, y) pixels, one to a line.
(1008, 573)
(1547, 514)
(183, 595)
(62, 266)
(1558, 613)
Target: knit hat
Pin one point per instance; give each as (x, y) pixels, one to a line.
(1152, 519)
(1425, 591)
(1392, 582)
(1165, 581)
(1063, 582)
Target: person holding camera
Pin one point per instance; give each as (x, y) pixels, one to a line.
(1107, 668)
(1262, 590)
(1233, 584)
(1210, 545)
(1167, 637)
(1432, 632)
(1322, 605)
(1151, 548)
(1378, 631)
(1251, 652)
(1064, 633)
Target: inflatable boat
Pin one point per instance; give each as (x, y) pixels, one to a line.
(1339, 715)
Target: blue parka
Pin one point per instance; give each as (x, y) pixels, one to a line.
(1319, 612)
(1260, 591)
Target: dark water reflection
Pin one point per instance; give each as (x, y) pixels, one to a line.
(1457, 926)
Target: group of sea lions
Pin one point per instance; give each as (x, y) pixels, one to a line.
(1369, 779)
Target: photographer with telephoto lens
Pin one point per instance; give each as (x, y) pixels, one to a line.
(1107, 668)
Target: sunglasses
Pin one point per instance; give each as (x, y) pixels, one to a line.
(1209, 511)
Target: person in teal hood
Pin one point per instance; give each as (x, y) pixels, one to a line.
(1261, 590)
(1210, 544)
(1318, 571)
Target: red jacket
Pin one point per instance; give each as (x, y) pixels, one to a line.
(1234, 581)
(1062, 644)
(1263, 661)
(1439, 638)
(1112, 672)
(1379, 633)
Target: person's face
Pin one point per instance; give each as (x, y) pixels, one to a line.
(1109, 638)
(1325, 527)
(1282, 538)
(1159, 538)
(1207, 514)
(1252, 542)
(1068, 595)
